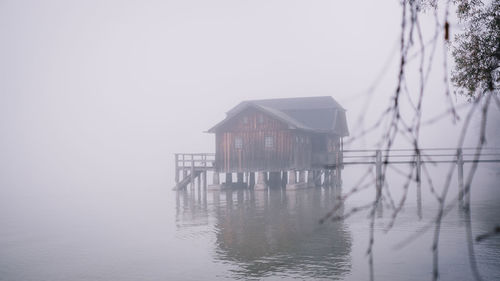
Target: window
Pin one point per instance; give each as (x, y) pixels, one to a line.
(245, 120)
(261, 119)
(238, 143)
(269, 142)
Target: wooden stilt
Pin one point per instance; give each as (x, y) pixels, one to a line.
(251, 181)
(292, 177)
(261, 181)
(239, 178)
(460, 169)
(215, 178)
(317, 178)
(326, 182)
(229, 178)
(419, 184)
(338, 176)
(284, 179)
(176, 169)
(302, 176)
(204, 175)
(378, 174)
(310, 178)
(274, 180)
(192, 172)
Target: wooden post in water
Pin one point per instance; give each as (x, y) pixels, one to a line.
(215, 178)
(418, 167)
(338, 169)
(284, 179)
(204, 173)
(317, 177)
(184, 170)
(292, 177)
(229, 178)
(310, 178)
(251, 181)
(192, 172)
(378, 174)
(199, 182)
(333, 178)
(239, 179)
(460, 168)
(261, 181)
(302, 176)
(245, 179)
(176, 169)
(326, 182)
(274, 179)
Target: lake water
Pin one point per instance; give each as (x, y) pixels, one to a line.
(139, 232)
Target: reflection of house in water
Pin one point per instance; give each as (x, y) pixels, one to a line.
(277, 233)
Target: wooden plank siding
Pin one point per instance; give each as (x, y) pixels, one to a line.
(291, 149)
(306, 133)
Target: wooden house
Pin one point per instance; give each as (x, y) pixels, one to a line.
(272, 135)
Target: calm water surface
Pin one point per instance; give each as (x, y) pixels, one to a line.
(158, 234)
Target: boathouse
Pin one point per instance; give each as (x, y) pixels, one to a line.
(274, 136)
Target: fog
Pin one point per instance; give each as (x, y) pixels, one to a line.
(96, 96)
(102, 91)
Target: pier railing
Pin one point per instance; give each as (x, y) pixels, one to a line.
(192, 165)
(196, 165)
(427, 155)
(196, 160)
(414, 157)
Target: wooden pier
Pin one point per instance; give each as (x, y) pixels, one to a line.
(192, 167)
(458, 156)
(296, 143)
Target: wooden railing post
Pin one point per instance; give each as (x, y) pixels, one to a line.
(176, 169)
(184, 171)
(378, 174)
(192, 171)
(204, 175)
(460, 168)
(338, 169)
(204, 159)
(418, 163)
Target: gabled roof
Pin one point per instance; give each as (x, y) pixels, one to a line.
(318, 114)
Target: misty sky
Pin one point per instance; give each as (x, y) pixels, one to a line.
(93, 91)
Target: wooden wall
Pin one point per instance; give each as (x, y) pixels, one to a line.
(292, 149)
